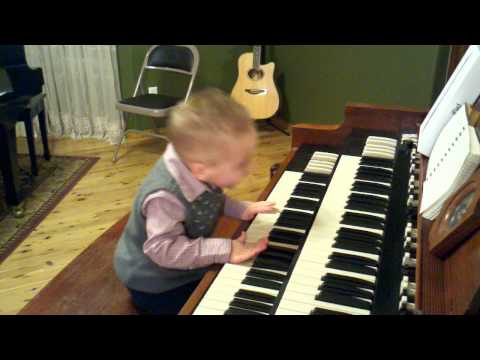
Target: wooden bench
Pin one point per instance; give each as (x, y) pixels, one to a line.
(88, 285)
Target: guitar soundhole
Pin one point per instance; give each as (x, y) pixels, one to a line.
(255, 74)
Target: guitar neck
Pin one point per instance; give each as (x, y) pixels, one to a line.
(258, 56)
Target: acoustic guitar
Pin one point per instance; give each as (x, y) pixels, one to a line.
(255, 87)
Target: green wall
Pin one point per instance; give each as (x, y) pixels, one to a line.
(316, 81)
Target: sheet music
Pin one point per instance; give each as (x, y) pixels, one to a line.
(454, 158)
(462, 87)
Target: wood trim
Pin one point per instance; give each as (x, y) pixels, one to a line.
(456, 54)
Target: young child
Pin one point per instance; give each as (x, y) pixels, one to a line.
(166, 246)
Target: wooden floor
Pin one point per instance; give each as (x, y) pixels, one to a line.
(99, 200)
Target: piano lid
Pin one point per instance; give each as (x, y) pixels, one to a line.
(25, 81)
(12, 55)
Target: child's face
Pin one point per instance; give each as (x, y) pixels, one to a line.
(234, 163)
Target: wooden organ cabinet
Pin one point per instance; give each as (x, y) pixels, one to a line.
(324, 257)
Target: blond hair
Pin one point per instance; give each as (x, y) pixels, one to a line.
(209, 118)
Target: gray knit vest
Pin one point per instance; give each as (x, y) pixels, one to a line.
(136, 270)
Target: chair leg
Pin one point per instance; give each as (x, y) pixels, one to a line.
(31, 145)
(124, 136)
(43, 131)
(117, 148)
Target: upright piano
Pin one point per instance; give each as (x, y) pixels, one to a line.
(349, 239)
(20, 91)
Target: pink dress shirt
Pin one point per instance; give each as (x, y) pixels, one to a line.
(167, 244)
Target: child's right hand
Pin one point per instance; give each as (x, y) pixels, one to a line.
(241, 251)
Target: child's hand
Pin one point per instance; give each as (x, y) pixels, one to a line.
(241, 251)
(262, 207)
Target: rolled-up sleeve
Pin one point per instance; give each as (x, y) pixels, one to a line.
(234, 208)
(167, 244)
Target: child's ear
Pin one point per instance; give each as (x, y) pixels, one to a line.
(198, 170)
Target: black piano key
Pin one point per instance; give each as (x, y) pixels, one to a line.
(267, 275)
(266, 284)
(370, 199)
(373, 177)
(363, 220)
(348, 280)
(287, 234)
(354, 258)
(357, 246)
(377, 162)
(307, 193)
(301, 224)
(347, 291)
(352, 267)
(308, 186)
(334, 298)
(374, 170)
(363, 206)
(302, 204)
(360, 234)
(255, 295)
(326, 312)
(270, 264)
(353, 288)
(309, 190)
(373, 188)
(316, 178)
(235, 311)
(365, 216)
(358, 240)
(280, 254)
(251, 305)
(296, 215)
(285, 237)
(274, 259)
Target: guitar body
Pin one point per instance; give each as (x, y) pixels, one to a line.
(255, 89)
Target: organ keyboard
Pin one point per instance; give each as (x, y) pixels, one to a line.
(346, 241)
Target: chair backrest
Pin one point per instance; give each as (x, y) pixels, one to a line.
(183, 59)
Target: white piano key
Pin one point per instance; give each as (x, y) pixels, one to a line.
(305, 306)
(324, 155)
(379, 147)
(362, 228)
(288, 312)
(309, 285)
(204, 311)
(305, 198)
(306, 267)
(312, 252)
(318, 164)
(298, 291)
(375, 182)
(378, 154)
(237, 285)
(318, 170)
(313, 183)
(389, 169)
(381, 140)
(310, 212)
(381, 215)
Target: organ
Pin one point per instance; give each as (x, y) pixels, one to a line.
(349, 239)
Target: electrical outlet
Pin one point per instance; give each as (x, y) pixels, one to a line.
(153, 90)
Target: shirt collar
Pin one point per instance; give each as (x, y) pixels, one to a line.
(189, 185)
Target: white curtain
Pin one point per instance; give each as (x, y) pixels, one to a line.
(82, 86)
